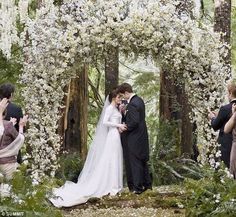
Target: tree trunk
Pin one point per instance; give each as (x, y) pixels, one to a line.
(187, 8)
(111, 70)
(223, 25)
(76, 114)
(186, 125)
(168, 98)
(174, 106)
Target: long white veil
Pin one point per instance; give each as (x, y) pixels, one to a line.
(96, 147)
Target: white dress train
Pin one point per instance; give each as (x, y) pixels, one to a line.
(103, 170)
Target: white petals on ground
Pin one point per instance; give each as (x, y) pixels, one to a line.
(125, 212)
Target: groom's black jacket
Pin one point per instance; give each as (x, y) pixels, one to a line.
(136, 134)
(224, 139)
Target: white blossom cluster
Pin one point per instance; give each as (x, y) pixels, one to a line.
(80, 32)
(8, 30)
(12, 13)
(45, 75)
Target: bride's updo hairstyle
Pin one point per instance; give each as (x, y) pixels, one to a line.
(113, 94)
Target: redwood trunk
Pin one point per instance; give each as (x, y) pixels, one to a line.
(111, 70)
(76, 114)
(174, 106)
(168, 98)
(186, 125)
(223, 25)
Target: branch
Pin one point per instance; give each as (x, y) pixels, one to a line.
(97, 96)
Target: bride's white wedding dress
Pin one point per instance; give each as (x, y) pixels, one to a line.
(102, 173)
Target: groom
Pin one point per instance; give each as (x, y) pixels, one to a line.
(135, 142)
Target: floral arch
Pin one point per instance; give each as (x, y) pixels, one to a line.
(61, 39)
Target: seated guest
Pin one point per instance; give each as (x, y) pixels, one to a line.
(10, 144)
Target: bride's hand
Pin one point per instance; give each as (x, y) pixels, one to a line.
(122, 108)
(120, 131)
(123, 127)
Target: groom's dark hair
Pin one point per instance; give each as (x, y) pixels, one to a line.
(125, 87)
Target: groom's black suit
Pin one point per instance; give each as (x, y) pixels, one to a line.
(136, 146)
(224, 139)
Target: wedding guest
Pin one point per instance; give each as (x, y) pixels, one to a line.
(7, 90)
(218, 121)
(230, 126)
(10, 144)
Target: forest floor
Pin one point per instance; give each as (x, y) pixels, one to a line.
(162, 201)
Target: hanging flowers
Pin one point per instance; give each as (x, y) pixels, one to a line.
(60, 39)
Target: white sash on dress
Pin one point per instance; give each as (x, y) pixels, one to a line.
(13, 148)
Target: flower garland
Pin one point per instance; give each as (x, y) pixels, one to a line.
(8, 30)
(60, 39)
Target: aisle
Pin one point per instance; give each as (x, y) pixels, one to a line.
(161, 201)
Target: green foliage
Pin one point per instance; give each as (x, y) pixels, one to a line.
(213, 195)
(70, 167)
(28, 198)
(168, 140)
(10, 71)
(165, 150)
(167, 167)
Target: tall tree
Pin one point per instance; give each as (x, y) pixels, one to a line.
(187, 142)
(223, 25)
(111, 69)
(169, 105)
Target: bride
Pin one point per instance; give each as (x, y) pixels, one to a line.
(102, 173)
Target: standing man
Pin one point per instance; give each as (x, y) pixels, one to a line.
(13, 111)
(135, 142)
(218, 121)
